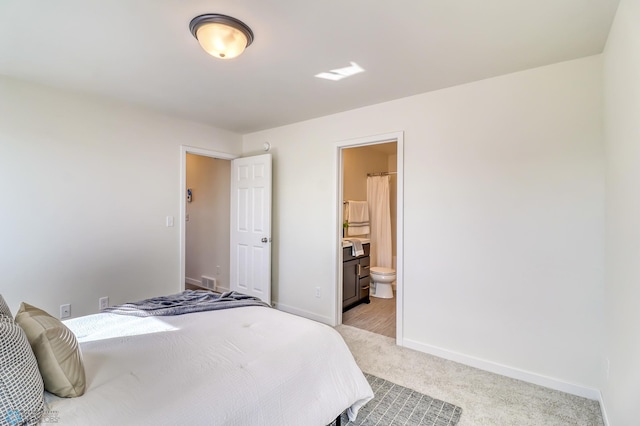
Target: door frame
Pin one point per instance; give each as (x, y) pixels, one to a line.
(184, 150)
(397, 137)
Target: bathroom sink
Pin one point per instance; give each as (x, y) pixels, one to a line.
(347, 243)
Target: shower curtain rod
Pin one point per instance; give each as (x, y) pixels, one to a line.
(381, 173)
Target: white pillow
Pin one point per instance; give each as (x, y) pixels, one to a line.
(4, 309)
(21, 386)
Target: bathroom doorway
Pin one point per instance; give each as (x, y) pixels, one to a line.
(363, 165)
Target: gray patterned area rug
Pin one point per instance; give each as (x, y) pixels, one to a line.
(396, 405)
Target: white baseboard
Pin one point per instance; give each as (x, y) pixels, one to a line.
(302, 313)
(193, 281)
(504, 370)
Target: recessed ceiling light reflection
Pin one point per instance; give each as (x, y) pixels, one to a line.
(340, 73)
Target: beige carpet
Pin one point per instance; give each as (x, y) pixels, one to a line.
(485, 398)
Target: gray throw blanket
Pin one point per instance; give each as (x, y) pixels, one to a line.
(184, 303)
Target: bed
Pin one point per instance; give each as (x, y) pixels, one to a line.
(249, 365)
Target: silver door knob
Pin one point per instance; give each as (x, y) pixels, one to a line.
(264, 239)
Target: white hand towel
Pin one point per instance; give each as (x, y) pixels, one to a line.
(357, 216)
(356, 248)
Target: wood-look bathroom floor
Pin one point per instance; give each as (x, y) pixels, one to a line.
(378, 317)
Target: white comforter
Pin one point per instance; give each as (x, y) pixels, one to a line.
(243, 366)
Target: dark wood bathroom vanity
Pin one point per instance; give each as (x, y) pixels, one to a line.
(355, 277)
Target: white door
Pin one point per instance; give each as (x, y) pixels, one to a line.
(251, 226)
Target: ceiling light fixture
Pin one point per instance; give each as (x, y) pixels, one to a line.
(220, 35)
(340, 73)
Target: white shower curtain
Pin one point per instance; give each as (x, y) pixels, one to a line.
(380, 220)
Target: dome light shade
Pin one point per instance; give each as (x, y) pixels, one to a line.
(221, 36)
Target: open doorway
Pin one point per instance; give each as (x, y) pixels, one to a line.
(204, 253)
(207, 223)
(369, 179)
(248, 241)
(362, 165)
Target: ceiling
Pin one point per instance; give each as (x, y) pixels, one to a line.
(141, 51)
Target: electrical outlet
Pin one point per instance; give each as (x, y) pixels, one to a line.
(318, 292)
(103, 303)
(217, 269)
(65, 311)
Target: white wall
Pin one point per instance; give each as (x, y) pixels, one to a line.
(85, 187)
(622, 140)
(503, 218)
(208, 228)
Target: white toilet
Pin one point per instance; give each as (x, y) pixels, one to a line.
(382, 278)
